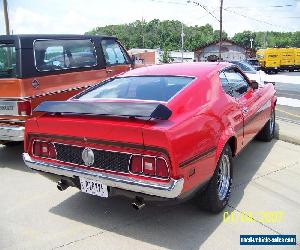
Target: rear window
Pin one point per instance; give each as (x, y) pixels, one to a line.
(157, 88)
(7, 61)
(64, 54)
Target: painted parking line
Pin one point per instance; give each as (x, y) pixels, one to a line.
(288, 102)
(288, 113)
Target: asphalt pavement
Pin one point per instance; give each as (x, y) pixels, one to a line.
(287, 85)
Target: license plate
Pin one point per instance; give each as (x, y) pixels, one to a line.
(93, 187)
(8, 108)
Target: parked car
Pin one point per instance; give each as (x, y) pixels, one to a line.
(35, 68)
(254, 63)
(163, 132)
(260, 76)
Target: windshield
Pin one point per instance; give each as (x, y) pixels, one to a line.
(157, 88)
(7, 61)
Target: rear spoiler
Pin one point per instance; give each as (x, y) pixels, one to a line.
(131, 109)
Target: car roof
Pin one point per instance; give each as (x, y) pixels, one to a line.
(194, 69)
(26, 40)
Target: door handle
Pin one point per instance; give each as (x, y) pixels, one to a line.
(109, 70)
(245, 110)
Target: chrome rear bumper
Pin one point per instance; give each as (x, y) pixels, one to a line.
(171, 189)
(11, 133)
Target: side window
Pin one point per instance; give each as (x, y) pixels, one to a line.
(64, 54)
(236, 85)
(113, 53)
(225, 84)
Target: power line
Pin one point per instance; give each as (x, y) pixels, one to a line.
(271, 6)
(203, 7)
(252, 18)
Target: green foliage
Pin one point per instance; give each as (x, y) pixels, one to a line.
(167, 35)
(166, 57)
(160, 34)
(268, 39)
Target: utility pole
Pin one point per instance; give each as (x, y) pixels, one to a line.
(182, 35)
(220, 38)
(143, 33)
(251, 42)
(6, 16)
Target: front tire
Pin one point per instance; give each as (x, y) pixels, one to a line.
(268, 131)
(216, 195)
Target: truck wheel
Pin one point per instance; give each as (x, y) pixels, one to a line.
(10, 143)
(268, 131)
(216, 195)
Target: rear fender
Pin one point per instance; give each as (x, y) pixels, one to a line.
(225, 137)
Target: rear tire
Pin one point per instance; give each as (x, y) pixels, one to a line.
(216, 195)
(268, 131)
(10, 143)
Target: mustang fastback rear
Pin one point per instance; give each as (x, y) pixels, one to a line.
(165, 132)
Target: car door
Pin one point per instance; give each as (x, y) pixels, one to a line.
(116, 58)
(249, 101)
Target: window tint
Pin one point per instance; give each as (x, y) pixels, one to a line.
(225, 84)
(64, 54)
(236, 84)
(113, 53)
(7, 61)
(159, 88)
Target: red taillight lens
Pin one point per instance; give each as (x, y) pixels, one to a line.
(136, 164)
(161, 168)
(37, 149)
(44, 149)
(149, 165)
(24, 108)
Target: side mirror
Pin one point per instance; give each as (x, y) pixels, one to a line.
(254, 84)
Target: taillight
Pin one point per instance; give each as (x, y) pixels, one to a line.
(44, 149)
(162, 168)
(24, 107)
(136, 165)
(149, 165)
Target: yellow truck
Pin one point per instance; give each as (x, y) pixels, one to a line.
(269, 59)
(297, 58)
(287, 58)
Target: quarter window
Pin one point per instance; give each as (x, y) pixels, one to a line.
(64, 54)
(7, 61)
(114, 53)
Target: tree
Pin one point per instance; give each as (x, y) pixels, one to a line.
(166, 57)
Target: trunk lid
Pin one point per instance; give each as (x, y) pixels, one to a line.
(99, 130)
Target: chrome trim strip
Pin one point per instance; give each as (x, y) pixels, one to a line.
(171, 189)
(12, 133)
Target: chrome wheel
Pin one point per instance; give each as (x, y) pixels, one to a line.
(223, 177)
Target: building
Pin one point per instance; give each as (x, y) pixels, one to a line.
(154, 56)
(230, 51)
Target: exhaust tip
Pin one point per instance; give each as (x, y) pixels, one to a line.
(138, 204)
(61, 186)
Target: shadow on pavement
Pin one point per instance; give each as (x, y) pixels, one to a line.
(182, 226)
(11, 157)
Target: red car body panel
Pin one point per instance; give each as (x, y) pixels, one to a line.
(204, 118)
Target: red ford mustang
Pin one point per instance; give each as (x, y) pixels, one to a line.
(164, 132)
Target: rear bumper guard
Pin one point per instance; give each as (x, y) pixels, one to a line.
(11, 133)
(171, 189)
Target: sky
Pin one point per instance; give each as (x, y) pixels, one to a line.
(77, 16)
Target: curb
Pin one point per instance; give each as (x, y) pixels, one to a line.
(288, 132)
